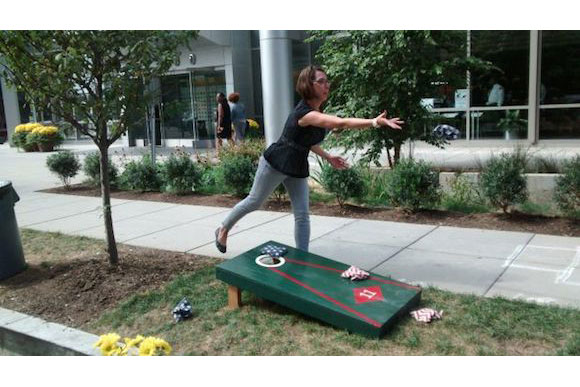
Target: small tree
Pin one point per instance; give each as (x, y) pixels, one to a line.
(376, 70)
(98, 81)
(65, 165)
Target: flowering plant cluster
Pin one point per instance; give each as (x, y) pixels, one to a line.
(111, 345)
(33, 135)
(253, 124)
(44, 134)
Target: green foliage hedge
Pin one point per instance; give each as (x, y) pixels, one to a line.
(179, 174)
(503, 182)
(92, 169)
(567, 191)
(413, 185)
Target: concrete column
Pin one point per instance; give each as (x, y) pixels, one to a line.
(277, 87)
(11, 109)
(534, 87)
(242, 70)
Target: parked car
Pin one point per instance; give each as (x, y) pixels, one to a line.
(3, 135)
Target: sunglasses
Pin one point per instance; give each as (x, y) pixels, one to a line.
(322, 81)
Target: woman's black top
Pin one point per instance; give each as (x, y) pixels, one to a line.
(226, 121)
(289, 154)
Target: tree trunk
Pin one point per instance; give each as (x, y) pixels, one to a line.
(106, 196)
(389, 159)
(397, 156)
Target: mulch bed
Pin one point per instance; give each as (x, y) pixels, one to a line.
(76, 292)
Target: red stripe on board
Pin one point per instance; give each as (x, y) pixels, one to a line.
(402, 285)
(347, 308)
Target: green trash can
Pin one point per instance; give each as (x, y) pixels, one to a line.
(11, 255)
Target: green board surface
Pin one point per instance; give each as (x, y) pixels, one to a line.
(312, 285)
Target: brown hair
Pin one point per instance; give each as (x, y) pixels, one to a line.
(234, 97)
(305, 82)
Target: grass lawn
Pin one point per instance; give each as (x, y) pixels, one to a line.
(471, 325)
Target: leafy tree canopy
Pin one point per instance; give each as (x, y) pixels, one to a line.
(90, 78)
(376, 70)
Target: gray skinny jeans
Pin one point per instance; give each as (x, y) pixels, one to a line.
(265, 182)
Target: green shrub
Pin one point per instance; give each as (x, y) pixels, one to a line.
(18, 139)
(212, 180)
(92, 169)
(567, 191)
(464, 196)
(502, 181)
(140, 175)
(238, 173)
(252, 149)
(413, 185)
(179, 174)
(343, 183)
(280, 193)
(376, 186)
(64, 164)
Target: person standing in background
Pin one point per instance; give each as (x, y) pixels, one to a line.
(223, 122)
(238, 116)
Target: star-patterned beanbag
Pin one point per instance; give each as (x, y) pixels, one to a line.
(274, 251)
(182, 310)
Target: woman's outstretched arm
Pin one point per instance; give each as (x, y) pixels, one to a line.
(322, 120)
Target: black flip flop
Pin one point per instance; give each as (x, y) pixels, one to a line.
(220, 247)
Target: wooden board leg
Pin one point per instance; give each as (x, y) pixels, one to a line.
(234, 297)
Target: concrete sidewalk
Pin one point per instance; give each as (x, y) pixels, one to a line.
(526, 266)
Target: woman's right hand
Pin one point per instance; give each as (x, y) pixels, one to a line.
(394, 123)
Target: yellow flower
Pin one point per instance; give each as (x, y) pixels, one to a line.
(109, 344)
(132, 343)
(253, 124)
(153, 346)
(150, 346)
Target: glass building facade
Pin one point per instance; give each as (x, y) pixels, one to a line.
(531, 94)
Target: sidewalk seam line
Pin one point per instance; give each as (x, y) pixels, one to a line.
(508, 266)
(404, 248)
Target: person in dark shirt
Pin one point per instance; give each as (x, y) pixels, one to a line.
(286, 160)
(223, 122)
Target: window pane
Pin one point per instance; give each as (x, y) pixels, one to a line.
(456, 120)
(559, 123)
(499, 124)
(560, 63)
(509, 52)
(177, 114)
(206, 85)
(450, 45)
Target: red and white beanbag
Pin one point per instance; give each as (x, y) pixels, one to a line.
(354, 273)
(426, 314)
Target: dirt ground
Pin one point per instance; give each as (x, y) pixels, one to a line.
(492, 221)
(73, 284)
(76, 290)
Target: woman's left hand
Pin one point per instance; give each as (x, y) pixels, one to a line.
(337, 162)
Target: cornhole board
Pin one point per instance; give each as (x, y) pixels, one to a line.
(312, 285)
